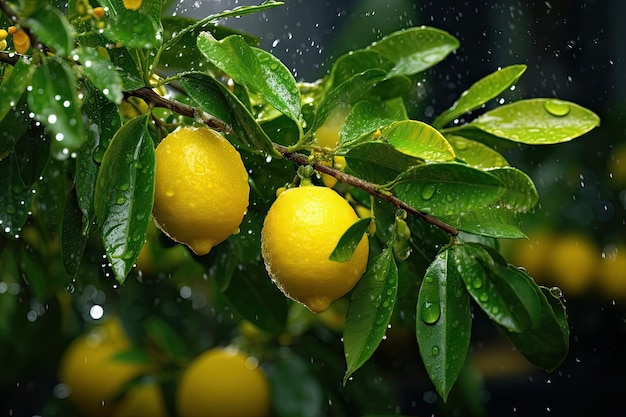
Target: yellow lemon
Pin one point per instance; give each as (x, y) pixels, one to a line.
(612, 276)
(573, 259)
(93, 377)
(201, 190)
(133, 4)
(223, 382)
(300, 231)
(143, 400)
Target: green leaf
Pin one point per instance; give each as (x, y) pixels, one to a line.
(32, 152)
(125, 193)
(215, 98)
(356, 62)
(54, 101)
(14, 85)
(350, 240)
(481, 92)
(493, 220)
(446, 189)
(256, 69)
(134, 28)
(546, 344)
(539, 121)
(419, 140)
(367, 116)
(14, 126)
(73, 240)
(52, 29)
(378, 162)
(475, 154)
(369, 312)
(443, 322)
(127, 67)
(521, 194)
(415, 49)
(15, 198)
(101, 72)
(295, 391)
(166, 338)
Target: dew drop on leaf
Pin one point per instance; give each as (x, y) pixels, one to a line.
(430, 312)
(428, 191)
(435, 350)
(557, 108)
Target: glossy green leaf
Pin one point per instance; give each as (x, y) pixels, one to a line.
(73, 240)
(475, 154)
(419, 140)
(255, 297)
(134, 28)
(53, 29)
(546, 344)
(415, 49)
(481, 92)
(355, 62)
(14, 85)
(350, 240)
(378, 162)
(539, 121)
(32, 153)
(521, 194)
(369, 312)
(15, 198)
(256, 69)
(349, 92)
(54, 101)
(101, 72)
(125, 193)
(127, 67)
(447, 189)
(166, 338)
(14, 126)
(367, 116)
(294, 389)
(443, 322)
(493, 220)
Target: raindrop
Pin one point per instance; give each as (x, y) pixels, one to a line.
(484, 297)
(477, 283)
(430, 312)
(435, 350)
(557, 107)
(556, 292)
(428, 191)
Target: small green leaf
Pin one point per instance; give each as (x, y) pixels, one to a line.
(481, 92)
(54, 101)
(493, 220)
(356, 62)
(350, 240)
(32, 152)
(256, 69)
(14, 85)
(125, 193)
(539, 121)
(443, 322)
(53, 29)
(166, 338)
(521, 194)
(15, 198)
(546, 344)
(367, 116)
(475, 154)
(415, 49)
(73, 240)
(134, 29)
(101, 72)
(378, 162)
(369, 312)
(446, 189)
(204, 90)
(419, 140)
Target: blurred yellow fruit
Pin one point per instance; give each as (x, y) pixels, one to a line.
(612, 276)
(145, 400)
(573, 261)
(300, 231)
(21, 41)
(201, 189)
(133, 4)
(223, 383)
(93, 377)
(533, 254)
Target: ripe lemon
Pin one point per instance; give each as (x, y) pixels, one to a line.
(93, 377)
(223, 382)
(143, 400)
(612, 276)
(300, 231)
(573, 260)
(201, 190)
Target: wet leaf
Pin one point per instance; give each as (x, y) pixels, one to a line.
(15, 198)
(481, 92)
(350, 240)
(256, 69)
(14, 126)
(446, 189)
(356, 62)
(493, 220)
(52, 29)
(13, 86)
(475, 154)
(419, 140)
(134, 28)
(369, 312)
(378, 162)
(54, 101)
(367, 116)
(32, 152)
(73, 240)
(443, 322)
(204, 90)
(415, 49)
(101, 72)
(521, 194)
(125, 193)
(539, 121)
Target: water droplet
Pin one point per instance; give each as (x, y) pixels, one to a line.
(557, 107)
(495, 310)
(484, 297)
(430, 312)
(477, 283)
(556, 292)
(428, 191)
(435, 350)
(121, 200)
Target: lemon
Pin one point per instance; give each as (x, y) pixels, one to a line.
(143, 400)
(612, 276)
(223, 382)
(573, 260)
(300, 231)
(88, 369)
(201, 189)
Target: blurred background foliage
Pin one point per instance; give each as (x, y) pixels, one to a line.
(577, 236)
